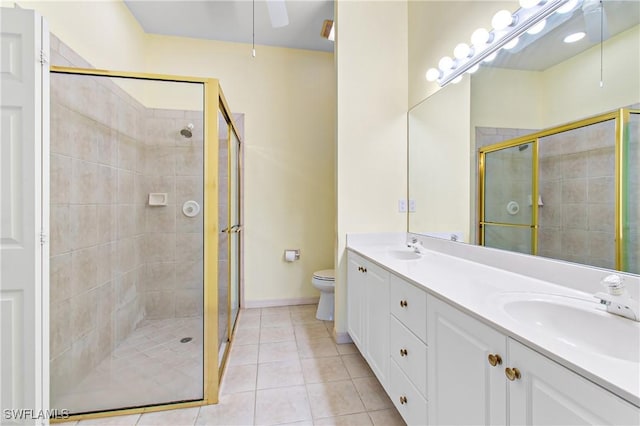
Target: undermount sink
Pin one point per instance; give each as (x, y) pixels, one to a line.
(404, 254)
(575, 322)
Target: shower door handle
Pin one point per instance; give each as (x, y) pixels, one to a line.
(232, 230)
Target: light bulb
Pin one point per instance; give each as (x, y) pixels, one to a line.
(568, 6)
(432, 74)
(473, 69)
(446, 63)
(572, 38)
(502, 20)
(528, 4)
(537, 27)
(480, 37)
(490, 57)
(456, 80)
(462, 51)
(513, 43)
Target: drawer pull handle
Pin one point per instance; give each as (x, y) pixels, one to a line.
(512, 373)
(495, 359)
(403, 303)
(403, 352)
(403, 400)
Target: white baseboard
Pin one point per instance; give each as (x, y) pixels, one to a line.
(270, 303)
(342, 337)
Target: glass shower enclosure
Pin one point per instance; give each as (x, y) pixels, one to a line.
(135, 240)
(569, 192)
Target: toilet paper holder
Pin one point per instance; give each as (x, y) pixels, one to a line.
(291, 255)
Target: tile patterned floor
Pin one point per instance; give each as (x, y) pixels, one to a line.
(284, 369)
(150, 365)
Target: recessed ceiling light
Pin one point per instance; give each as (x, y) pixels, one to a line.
(572, 38)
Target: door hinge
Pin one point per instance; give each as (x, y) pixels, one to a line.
(44, 238)
(44, 58)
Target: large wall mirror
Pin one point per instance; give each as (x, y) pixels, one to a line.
(537, 151)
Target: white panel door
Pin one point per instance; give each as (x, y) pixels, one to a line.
(463, 388)
(550, 394)
(376, 319)
(23, 217)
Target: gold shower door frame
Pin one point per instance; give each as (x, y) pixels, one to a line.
(621, 117)
(214, 101)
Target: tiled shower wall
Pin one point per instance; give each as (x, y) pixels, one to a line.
(96, 226)
(114, 259)
(632, 229)
(173, 242)
(577, 185)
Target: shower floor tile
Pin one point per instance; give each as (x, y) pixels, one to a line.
(151, 366)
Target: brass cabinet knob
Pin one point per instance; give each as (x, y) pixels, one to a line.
(403, 400)
(403, 352)
(494, 359)
(403, 303)
(512, 373)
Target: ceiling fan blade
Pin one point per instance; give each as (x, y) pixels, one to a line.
(594, 17)
(278, 13)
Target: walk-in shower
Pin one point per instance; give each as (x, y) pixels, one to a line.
(135, 239)
(573, 195)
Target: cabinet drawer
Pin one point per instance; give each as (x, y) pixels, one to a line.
(410, 404)
(413, 358)
(409, 304)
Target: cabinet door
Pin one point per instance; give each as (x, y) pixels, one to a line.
(463, 388)
(376, 321)
(550, 394)
(355, 299)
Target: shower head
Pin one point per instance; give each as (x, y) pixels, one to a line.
(523, 147)
(187, 131)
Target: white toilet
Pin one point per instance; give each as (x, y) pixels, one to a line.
(324, 281)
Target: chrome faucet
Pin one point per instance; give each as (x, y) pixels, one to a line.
(617, 300)
(416, 245)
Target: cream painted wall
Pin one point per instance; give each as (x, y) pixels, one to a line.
(440, 184)
(572, 90)
(103, 32)
(288, 97)
(507, 98)
(371, 59)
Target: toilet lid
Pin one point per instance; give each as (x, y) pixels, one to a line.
(325, 275)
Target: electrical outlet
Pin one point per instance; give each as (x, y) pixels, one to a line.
(412, 206)
(402, 206)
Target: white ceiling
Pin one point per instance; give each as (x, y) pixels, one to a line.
(232, 20)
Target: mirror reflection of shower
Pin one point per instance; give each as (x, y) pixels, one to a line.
(187, 131)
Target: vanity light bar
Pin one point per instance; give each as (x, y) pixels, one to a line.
(522, 20)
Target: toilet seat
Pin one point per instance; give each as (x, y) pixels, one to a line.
(325, 275)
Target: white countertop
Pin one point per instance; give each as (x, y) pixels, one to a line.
(475, 288)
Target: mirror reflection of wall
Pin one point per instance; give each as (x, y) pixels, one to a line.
(543, 84)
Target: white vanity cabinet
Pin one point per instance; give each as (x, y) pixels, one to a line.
(368, 313)
(547, 393)
(442, 365)
(523, 387)
(463, 386)
(408, 350)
